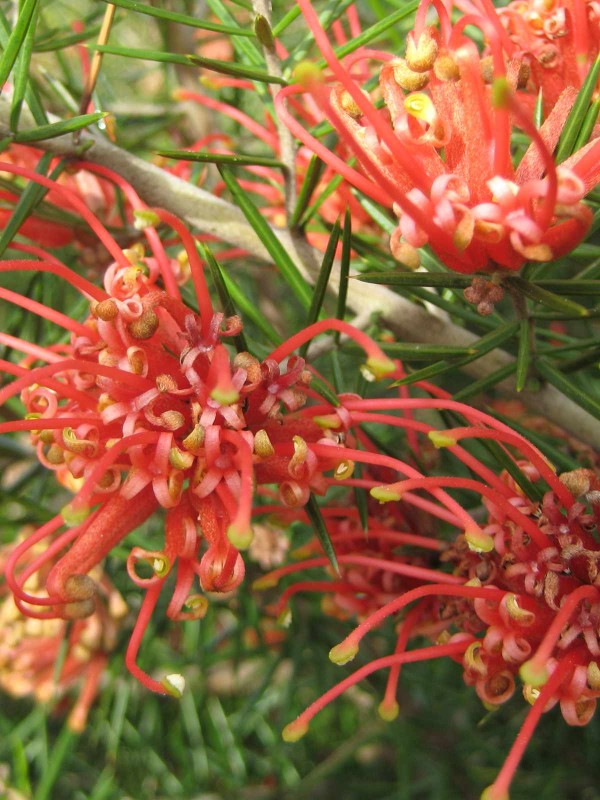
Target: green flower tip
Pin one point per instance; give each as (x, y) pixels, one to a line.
(174, 684)
(343, 653)
(328, 421)
(198, 604)
(144, 218)
(388, 711)
(440, 439)
(478, 541)
(380, 367)
(74, 516)
(500, 93)
(240, 538)
(491, 793)
(285, 618)
(384, 494)
(224, 397)
(532, 674)
(161, 566)
(306, 73)
(294, 731)
(266, 582)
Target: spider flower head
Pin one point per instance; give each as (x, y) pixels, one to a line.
(515, 600)
(149, 407)
(30, 648)
(439, 152)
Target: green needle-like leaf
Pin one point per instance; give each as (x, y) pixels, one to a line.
(191, 60)
(576, 119)
(484, 345)
(283, 262)
(21, 73)
(324, 390)
(322, 281)
(523, 354)
(323, 195)
(54, 129)
(223, 292)
(588, 125)
(221, 158)
(16, 39)
(436, 279)
(344, 269)
(249, 310)
(570, 286)
(286, 20)
(376, 30)
(567, 386)
(311, 179)
(183, 19)
(314, 514)
(549, 299)
(425, 352)
(485, 384)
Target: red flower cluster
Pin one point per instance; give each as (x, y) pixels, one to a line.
(148, 407)
(517, 596)
(439, 152)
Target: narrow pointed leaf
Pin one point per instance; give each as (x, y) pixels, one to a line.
(322, 280)
(488, 342)
(311, 179)
(314, 514)
(21, 73)
(31, 97)
(60, 128)
(425, 352)
(286, 20)
(549, 299)
(484, 384)
(588, 125)
(557, 457)
(570, 286)
(289, 271)
(250, 310)
(191, 60)
(567, 387)
(223, 292)
(183, 19)
(576, 118)
(377, 30)
(323, 195)
(507, 463)
(16, 39)
(324, 390)
(344, 269)
(435, 279)
(49, 43)
(523, 354)
(221, 158)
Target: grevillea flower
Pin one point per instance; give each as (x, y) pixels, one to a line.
(30, 648)
(521, 599)
(439, 152)
(148, 407)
